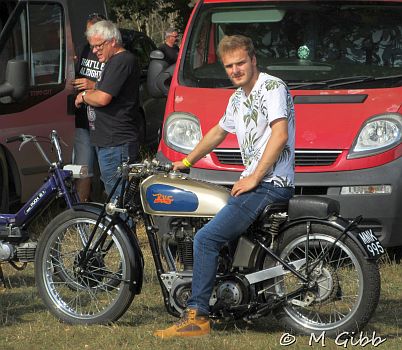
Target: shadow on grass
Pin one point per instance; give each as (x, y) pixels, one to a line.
(388, 316)
(142, 314)
(18, 281)
(16, 305)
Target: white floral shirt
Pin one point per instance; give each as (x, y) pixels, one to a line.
(249, 117)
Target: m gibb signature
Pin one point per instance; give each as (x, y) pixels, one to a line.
(344, 339)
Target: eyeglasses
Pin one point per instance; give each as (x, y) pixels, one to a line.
(98, 47)
(174, 36)
(96, 15)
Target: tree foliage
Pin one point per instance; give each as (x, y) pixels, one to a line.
(140, 9)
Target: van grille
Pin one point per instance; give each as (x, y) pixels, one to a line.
(303, 157)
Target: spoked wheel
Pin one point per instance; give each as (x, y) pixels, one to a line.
(97, 291)
(344, 287)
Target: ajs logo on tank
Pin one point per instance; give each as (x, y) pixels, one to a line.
(171, 198)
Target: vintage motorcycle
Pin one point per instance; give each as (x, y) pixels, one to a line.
(315, 270)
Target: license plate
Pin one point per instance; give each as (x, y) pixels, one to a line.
(370, 243)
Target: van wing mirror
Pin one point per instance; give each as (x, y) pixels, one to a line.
(16, 83)
(159, 75)
(157, 55)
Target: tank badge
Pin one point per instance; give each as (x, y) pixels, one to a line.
(163, 199)
(166, 198)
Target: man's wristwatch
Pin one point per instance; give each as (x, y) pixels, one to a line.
(82, 95)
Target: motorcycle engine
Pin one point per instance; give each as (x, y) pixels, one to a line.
(227, 292)
(181, 238)
(177, 246)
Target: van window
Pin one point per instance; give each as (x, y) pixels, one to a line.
(6, 48)
(309, 45)
(35, 34)
(47, 44)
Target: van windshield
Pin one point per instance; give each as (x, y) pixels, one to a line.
(320, 45)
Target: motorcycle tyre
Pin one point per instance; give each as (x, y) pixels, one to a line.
(125, 297)
(370, 276)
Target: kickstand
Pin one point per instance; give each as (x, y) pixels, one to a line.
(2, 279)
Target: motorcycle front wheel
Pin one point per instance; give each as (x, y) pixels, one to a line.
(344, 286)
(98, 291)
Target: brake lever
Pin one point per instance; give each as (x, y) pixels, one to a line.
(63, 142)
(26, 139)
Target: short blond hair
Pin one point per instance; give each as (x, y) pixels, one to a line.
(230, 43)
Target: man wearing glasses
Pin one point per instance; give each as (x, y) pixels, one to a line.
(169, 47)
(113, 103)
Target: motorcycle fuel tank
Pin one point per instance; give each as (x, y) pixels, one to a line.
(173, 194)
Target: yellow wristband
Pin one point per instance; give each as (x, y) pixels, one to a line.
(186, 163)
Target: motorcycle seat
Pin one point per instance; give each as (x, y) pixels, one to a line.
(312, 207)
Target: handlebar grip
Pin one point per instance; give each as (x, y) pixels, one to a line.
(14, 138)
(185, 171)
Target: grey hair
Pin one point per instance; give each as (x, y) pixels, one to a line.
(170, 31)
(105, 29)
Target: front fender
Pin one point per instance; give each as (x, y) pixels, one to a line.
(138, 259)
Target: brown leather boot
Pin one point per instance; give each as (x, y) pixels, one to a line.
(190, 325)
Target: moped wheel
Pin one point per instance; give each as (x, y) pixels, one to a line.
(345, 287)
(98, 292)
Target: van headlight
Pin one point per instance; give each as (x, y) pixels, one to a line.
(377, 135)
(182, 132)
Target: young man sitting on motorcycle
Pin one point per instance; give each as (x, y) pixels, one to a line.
(261, 114)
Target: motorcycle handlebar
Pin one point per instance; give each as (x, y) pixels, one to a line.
(54, 138)
(148, 166)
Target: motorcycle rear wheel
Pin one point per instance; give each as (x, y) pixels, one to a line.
(347, 286)
(98, 294)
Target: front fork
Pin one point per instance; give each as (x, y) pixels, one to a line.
(151, 231)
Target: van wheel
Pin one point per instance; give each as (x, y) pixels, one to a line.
(4, 187)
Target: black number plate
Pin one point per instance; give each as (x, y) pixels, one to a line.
(371, 244)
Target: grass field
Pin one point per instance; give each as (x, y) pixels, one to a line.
(26, 324)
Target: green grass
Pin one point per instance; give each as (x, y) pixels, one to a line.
(26, 324)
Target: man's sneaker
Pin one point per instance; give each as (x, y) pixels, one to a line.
(190, 325)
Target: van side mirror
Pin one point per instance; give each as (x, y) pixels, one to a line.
(16, 83)
(159, 75)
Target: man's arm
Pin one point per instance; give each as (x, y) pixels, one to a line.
(94, 98)
(273, 149)
(212, 139)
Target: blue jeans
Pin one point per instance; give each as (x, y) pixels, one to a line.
(83, 151)
(231, 221)
(110, 158)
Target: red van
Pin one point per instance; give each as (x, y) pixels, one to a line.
(343, 63)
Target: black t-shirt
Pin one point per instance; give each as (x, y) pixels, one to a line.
(116, 123)
(89, 67)
(171, 53)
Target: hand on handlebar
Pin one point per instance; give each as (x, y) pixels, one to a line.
(179, 165)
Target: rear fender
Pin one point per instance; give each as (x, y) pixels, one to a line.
(248, 251)
(135, 251)
(339, 224)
